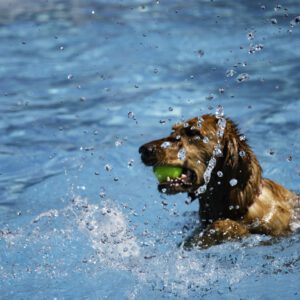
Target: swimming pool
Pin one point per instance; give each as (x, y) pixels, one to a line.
(83, 85)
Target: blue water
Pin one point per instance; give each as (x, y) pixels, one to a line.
(83, 85)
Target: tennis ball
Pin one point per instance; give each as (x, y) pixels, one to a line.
(162, 172)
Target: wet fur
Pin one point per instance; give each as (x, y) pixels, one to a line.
(254, 205)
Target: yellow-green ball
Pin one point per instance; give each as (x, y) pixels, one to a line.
(162, 172)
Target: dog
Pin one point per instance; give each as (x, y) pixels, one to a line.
(222, 172)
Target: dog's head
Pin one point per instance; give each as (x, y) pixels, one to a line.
(191, 146)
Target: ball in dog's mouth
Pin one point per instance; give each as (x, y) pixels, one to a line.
(174, 179)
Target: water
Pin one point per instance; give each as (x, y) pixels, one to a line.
(83, 85)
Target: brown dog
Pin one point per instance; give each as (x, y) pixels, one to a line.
(220, 170)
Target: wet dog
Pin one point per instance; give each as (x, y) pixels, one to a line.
(222, 172)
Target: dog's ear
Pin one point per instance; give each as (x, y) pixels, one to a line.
(240, 167)
(237, 154)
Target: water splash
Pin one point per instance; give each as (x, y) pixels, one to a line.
(108, 167)
(221, 125)
(233, 182)
(165, 145)
(181, 154)
(242, 77)
(106, 228)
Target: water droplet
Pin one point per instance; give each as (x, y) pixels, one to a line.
(80, 187)
(206, 177)
(233, 182)
(201, 189)
(186, 125)
(205, 140)
(242, 153)
(70, 76)
(165, 145)
(102, 194)
(93, 12)
(218, 151)
(231, 207)
(230, 73)
(200, 52)
(130, 115)
(271, 152)
(289, 158)
(250, 35)
(163, 122)
(178, 137)
(256, 48)
(130, 163)
(277, 7)
(295, 21)
(220, 174)
(242, 137)
(219, 112)
(274, 21)
(116, 179)
(119, 143)
(188, 201)
(210, 97)
(108, 167)
(181, 154)
(221, 90)
(163, 190)
(242, 77)
(221, 127)
(170, 108)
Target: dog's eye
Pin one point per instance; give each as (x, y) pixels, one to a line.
(190, 132)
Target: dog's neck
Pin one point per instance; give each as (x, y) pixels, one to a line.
(230, 196)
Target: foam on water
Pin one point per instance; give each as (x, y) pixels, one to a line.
(74, 111)
(295, 223)
(107, 229)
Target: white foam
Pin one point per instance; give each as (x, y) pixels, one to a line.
(295, 223)
(107, 229)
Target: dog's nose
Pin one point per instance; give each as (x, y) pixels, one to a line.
(148, 154)
(147, 149)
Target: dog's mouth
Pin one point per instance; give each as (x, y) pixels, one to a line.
(173, 179)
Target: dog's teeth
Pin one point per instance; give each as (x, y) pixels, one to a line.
(168, 178)
(176, 184)
(183, 176)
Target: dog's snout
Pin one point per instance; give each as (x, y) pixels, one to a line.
(148, 154)
(147, 149)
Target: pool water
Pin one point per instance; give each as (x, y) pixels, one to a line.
(83, 85)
